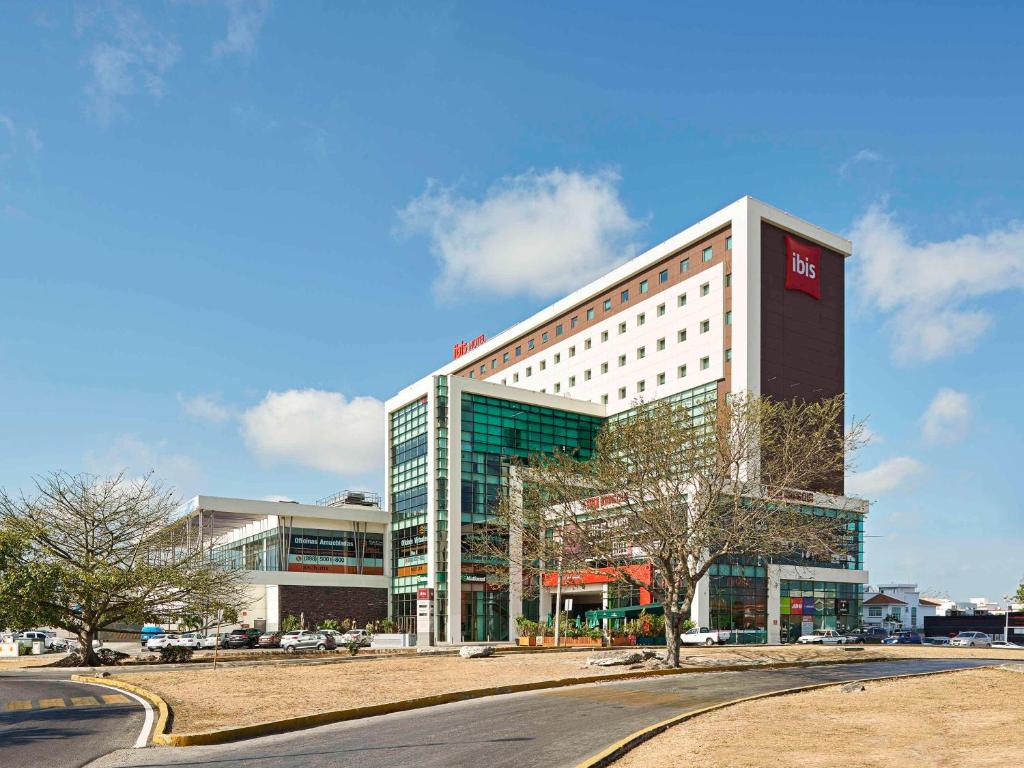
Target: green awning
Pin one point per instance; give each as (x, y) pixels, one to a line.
(624, 612)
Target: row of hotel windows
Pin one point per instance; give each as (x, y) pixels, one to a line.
(641, 319)
(641, 386)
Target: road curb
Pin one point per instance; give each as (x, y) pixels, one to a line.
(301, 722)
(609, 755)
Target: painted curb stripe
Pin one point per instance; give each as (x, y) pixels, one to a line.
(609, 755)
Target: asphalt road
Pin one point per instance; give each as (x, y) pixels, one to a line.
(48, 723)
(552, 728)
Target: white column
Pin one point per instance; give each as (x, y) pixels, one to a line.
(515, 544)
(774, 577)
(700, 607)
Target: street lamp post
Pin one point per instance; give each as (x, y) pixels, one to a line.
(1006, 629)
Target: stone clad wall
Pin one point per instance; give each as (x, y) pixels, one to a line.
(363, 604)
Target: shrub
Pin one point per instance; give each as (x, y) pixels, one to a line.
(174, 654)
(330, 624)
(388, 626)
(353, 647)
(526, 627)
(290, 623)
(110, 657)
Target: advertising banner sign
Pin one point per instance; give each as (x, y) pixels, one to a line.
(803, 267)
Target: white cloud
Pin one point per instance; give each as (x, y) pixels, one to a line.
(204, 408)
(863, 156)
(890, 475)
(537, 234)
(317, 429)
(947, 418)
(127, 54)
(245, 20)
(930, 290)
(135, 457)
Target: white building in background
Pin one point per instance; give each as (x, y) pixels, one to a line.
(895, 606)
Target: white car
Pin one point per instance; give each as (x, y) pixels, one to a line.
(972, 640)
(1007, 646)
(704, 636)
(191, 640)
(49, 640)
(823, 637)
(156, 642)
(360, 636)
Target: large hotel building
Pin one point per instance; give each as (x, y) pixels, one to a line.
(749, 299)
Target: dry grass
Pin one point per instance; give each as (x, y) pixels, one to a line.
(966, 719)
(25, 662)
(203, 700)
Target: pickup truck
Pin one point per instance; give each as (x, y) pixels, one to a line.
(704, 636)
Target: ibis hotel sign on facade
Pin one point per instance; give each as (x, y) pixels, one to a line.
(803, 267)
(462, 347)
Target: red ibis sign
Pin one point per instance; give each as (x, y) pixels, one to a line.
(462, 347)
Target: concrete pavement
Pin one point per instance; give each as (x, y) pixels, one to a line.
(553, 728)
(60, 724)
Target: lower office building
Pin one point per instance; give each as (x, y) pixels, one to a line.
(320, 561)
(749, 299)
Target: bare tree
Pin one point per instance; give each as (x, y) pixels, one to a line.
(680, 487)
(94, 552)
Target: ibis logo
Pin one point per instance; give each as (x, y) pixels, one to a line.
(803, 267)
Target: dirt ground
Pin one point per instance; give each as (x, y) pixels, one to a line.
(24, 662)
(205, 700)
(966, 719)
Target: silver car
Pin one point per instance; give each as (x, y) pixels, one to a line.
(304, 640)
(972, 640)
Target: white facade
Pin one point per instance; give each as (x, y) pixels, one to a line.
(907, 614)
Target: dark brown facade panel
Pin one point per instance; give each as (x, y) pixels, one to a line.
(364, 604)
(802, 338)
(716, 241)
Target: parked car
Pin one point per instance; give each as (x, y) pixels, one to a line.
(867, 635)
(241, 638)
(972, 640)
(904, 637)
(156, 642)
(269, 640)
(191, 640)
(148, 631)
(49, 639)
(935, 640)
(209, 642)
(74, 644)
(1007, 646)
(360, 636)
(823, 637)
(306, 640)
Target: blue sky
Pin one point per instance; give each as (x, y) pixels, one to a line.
(229, 230)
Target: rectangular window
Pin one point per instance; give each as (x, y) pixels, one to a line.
(661, 345)
(684, 265)
(681, 371)
(575, 319)
(622, 393)
(624, 296)
(504, 358)
(604, 399)
(681, 336)
(590, 314)
(494, 363)
(483, 368)
(557, 359)
(586, 344)
(728, 243)
(543, 365)
(705, 289)
(706, 255)
(705, 326)
(572, 351)
(705, 363)
(728, 355)
(641, 386)
(622, 328)
(604, 367)
(472, 375)
(529, 371)
(604, 335)
(586, 375)
(530, 344)
(558, 330)
(641, 319)
(544, 337)
(572, 381)
(641, 353)
(661, 310)
(661, 378)
(519, 351)
(515, 378)
(875, 611)
(682, 299)
(643, 286)
(622, 360)
(558, 387)
(663, 276)
(728, 317)
(504, 382)
(607, 305)
(728, 280)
